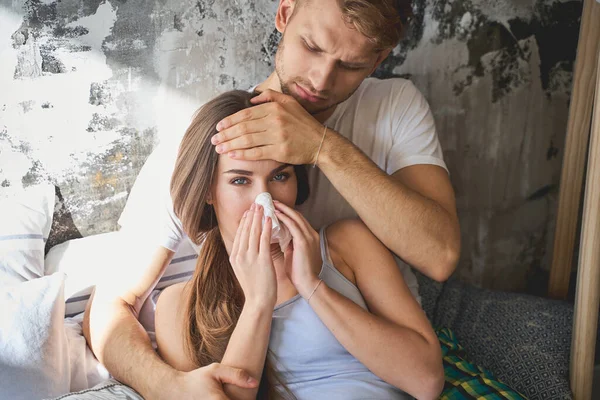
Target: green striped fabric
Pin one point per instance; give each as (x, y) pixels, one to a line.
(465, 380)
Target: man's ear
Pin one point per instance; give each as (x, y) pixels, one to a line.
(284, 14)
(382, 56)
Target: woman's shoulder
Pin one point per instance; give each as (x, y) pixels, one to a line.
(347, 239)
(346, 233)
(169, 324)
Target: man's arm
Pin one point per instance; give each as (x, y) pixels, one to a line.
(118, 340)
(412, 212)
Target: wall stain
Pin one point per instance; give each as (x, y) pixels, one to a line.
(52, 64)
(99, 94)
(205, 9)
(555, 27)
(69, 31)
(102, 123)
(543, 192)
(34, 176)
(552, 151)
(177, 23)
(269, 49)
(27, 105)
(411, 40)
(63, 228)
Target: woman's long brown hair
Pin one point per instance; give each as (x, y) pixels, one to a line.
(216, 298)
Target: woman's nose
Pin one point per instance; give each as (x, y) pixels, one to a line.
(260, 188)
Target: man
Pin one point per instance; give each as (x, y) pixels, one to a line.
(378, 158)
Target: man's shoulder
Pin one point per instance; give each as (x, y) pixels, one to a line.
(386, 92)
(388, 86)
(386, 82)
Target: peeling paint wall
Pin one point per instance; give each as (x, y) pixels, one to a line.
(88, 88)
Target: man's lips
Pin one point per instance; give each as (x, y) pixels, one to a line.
(307, 95)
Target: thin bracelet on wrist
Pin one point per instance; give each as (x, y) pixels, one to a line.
(314, 290)
(320, 145)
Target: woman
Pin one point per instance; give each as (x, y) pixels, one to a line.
(331, 316)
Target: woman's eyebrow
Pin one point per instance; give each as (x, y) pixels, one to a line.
(239, 172)
(280, 168)
(250, 173)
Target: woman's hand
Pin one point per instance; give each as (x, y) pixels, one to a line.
(303, 255)
(251, 259)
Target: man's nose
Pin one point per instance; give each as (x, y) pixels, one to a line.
(323, 76)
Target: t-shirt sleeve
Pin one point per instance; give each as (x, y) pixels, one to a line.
(415, 139)
(148, 212)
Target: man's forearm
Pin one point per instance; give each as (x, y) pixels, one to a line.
(416, 228)
(122, 345)
(247, 347)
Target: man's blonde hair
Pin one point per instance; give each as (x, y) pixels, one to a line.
(384, 22)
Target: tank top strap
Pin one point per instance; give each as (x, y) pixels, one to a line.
(325, 246)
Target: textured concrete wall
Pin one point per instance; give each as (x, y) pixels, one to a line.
(87, 89)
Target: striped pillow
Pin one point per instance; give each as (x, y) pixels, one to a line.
(26, 216)
(85, 262)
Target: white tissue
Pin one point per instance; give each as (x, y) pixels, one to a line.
(279, 234)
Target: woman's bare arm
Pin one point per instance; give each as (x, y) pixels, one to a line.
(394, 340)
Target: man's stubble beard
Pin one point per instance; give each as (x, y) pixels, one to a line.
(285, 85)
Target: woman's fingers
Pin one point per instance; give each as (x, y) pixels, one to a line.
(255, 229)
(297, 233)
(265, 237)
(245, 234)
(302, 223)
(238, 234)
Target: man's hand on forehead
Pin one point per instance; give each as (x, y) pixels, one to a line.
(277, 128)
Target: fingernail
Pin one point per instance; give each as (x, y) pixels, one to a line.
(219, 126)
(219, 148)
(253, 206)
(251, 381)
(215, 139)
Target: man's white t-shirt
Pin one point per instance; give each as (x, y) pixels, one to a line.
(389, 120)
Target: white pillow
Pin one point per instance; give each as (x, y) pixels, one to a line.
(34, 355)
(25, 221)
(95, 259)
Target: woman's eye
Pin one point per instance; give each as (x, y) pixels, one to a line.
(239, 181)
(281, 177)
